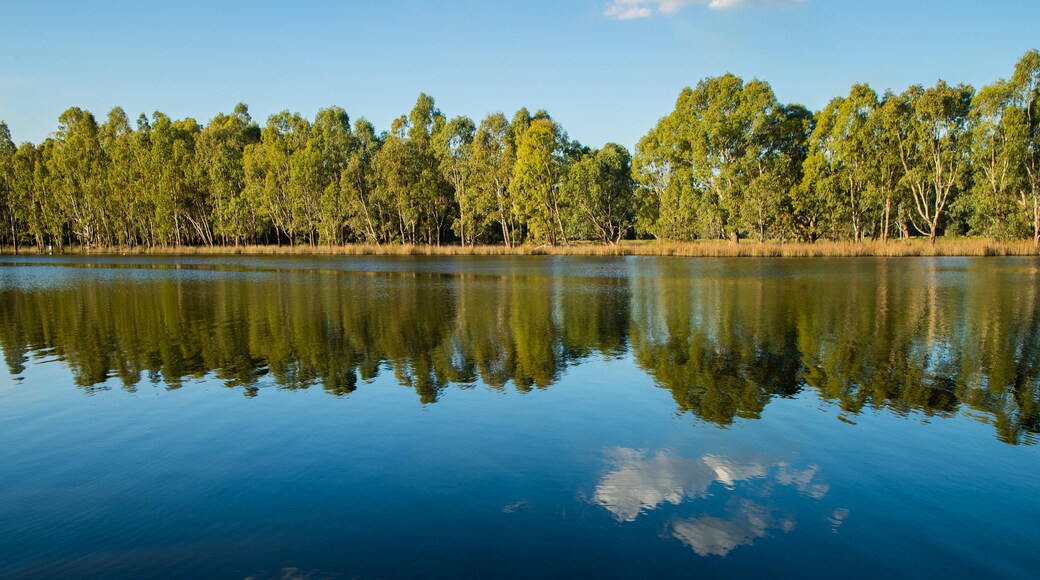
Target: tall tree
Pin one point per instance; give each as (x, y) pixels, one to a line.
(773, 171)
(428, 189)
(535, 183)
(888, 169)
(29, 192)
(220, 149)
(1026, 87)
(665, 184)
(181, 215)
(934, 148)
(396, 176)
(454, 150)
(998, 145)
(9, 204)
(77, 167)
(269, 173)
(600, 185)
(492, 158)
(333, 143)
(715, 131)
(124, 175)
(365, 213)
(841, 160)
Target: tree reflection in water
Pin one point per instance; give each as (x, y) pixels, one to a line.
(723, 337)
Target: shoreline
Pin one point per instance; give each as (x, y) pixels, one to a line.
(710, 249)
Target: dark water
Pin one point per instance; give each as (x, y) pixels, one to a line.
(519, 417)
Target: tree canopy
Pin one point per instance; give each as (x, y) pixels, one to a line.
(730, 161)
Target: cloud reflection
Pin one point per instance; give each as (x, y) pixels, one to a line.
(712, 536)
(638, 481)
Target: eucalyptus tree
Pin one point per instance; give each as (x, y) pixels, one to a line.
(9, 202)
(535, 182)
(934, 146)
(888, 169)
(723, 120)
(842, 150)
(305, 189)
(1026, 87)
(268, 170)
(772, 169)
(124, 176)
(315, 170)
(180, 211)
(365, 213)
(664, 184)
(220, 147)
(395, 176)
(492, 158)
(77, 167)
(707, 142)
(454, 147)
(53, 217)
(335, 142)
(428, 189)
(28, 192)
(600, 186)
(998, 145)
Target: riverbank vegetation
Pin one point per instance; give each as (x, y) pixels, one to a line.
(731, 162)
(699, 249)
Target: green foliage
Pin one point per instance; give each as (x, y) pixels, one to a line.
(1026, 98)
(454, 146)
(220, 147)
(10, 204)
(601, 187)
(491, 167)
(365, 214)
(841, 164)
(729, 161)
(534, 187)
(720, 162)
(998, 131)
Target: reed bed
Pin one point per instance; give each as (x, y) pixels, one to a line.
(705, 249)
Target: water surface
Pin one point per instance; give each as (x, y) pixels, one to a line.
(518, 417)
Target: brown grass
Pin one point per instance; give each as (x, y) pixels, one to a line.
(707, 249)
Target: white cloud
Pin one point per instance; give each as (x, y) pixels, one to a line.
(633, 9)
(623, 11)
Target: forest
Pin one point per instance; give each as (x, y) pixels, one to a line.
(729, 162)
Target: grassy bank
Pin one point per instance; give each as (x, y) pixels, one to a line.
(707, 249)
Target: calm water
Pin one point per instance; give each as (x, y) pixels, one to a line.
(519, 417)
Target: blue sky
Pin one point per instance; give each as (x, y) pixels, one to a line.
(606, 69)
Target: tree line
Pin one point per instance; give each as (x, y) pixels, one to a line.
(730, 161)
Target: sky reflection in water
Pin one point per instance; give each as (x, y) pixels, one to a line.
(613, 417)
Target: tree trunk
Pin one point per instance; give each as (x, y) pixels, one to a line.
(888, 212)
(506, 237)
(1036, 221)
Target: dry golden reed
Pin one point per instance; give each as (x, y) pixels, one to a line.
(709, 249)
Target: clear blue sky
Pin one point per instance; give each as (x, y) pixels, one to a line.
(604, 78)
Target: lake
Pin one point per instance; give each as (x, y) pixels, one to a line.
(316, 417)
